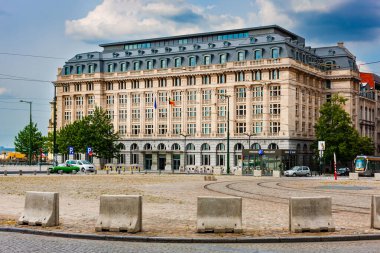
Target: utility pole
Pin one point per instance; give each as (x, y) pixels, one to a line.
(228, 130)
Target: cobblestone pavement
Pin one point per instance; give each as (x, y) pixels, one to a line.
(21, 243)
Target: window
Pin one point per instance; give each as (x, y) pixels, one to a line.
(162, 82)
(162, 113)
(123, 67)
(149, 64)
(206, 79)
(177, 129)
(192, 95)
(67, 71)
(191, 80)
(221, 111)
(241, 127)
(135, 84)
(241, 92)
(148, 129)
(275, 91)
(257, 54)
(136, 114)
(258, 127)
(162, 129)
(274, 74)
(78, 87)
(149, 113)
(110, 114)
(148, 83)
(241, 56)
(207, 60)
(79, 70)
(192, 61)
(123, 115)
(136, 65)
(258, 91)
(122, 129)
(206, 111)
(67, 102)
(177, 112)
(274, 127)
(177, 96)
(163, 63)
(220, 93)
(274, 109)
(67, 116)
(256, 75)
(275, 53)
(90, 86)
(241, 110)
(136, 98)
(206, 94)
(110, 68)
(328, 84)
(110, 100)
(239, 76)
(109, 86)
(177, 62)
(221, 128)
(182, 41)
(191, 128)
(135, 129)
(90, 100)
(91, 68)
(162, 96)
(257, 109)
(206, 128)
(222, 58)
(221, 78)
(191, 112)
(79, 115)
(176, 81)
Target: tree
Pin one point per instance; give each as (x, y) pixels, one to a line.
(94, 131)
(23, 137)
(334, 126)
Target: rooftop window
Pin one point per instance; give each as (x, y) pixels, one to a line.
(137, 46)
(232, 36)
(182, 41)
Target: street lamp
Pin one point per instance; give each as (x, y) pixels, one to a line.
(249, 139)
(228, 130)
(184, 161)
(30, 130)
(55, 126)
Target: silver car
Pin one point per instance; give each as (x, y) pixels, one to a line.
(298, 171)
(84, 166)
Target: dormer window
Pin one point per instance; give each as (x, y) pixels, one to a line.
(91, 68)
(136, 65)
(270, 38)
(196, 46)
(123, 67)
(149, 64)
(110, 67)
(177, 62)
(331, 52)
(164, 63)
(275, 52)
(90, 56)
(115, 55)
(154, 51)
(211, 45)
(67, 70)
(222, 58)
(78, 57)
(207, 60)
(258, 54)
(79, 70)
(241, 56)
(182, 48)
(168, 49)
(252, 40)
(141, 52)
(226, 43)
(127, 53)
(192, 61)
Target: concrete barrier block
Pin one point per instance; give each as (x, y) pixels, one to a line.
(375, 212)
(219, 214)
(353, 176)
(41, 208)
(377, 176)
(238, 172)
(209, 178)
(217, 171)
(310, 214)
(257, 173)
(120, 213)
(276, 173)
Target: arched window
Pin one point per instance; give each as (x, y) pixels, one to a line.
(134, 146)
(123, 67)
(241, 56)
(177, 62)
(163, 63)
(176, 146)
(220, 154)
(121, 146)
(136, 65)
(222, 58)
(257, 54)
(190, 146)
(238, 147)
(205, 146)
(255, 146)
(161, 146)
(273, 146)
(207, 60)
(220, 147)
(192, 61)
(275, 52)
(147, 146)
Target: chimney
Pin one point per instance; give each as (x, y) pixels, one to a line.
(340, 44)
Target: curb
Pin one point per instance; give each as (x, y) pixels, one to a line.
(333, 238)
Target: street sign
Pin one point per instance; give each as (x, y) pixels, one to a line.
(89, 151)
(71, 150)
(321, 145)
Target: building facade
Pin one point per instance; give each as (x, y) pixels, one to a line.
(169, 98)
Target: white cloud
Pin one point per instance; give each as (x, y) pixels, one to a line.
(312, 5)
(137, 19)
(269, 13)
(2, 90)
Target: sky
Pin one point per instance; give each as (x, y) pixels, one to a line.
(38, 36)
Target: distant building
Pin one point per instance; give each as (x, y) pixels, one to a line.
(167, 96)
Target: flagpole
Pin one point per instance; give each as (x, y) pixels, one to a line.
(335, 166)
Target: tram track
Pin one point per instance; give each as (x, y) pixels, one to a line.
(232, 191)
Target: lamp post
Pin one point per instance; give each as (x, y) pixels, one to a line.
(249, 139)
(55, 126)
(30, 130)
(185, 150)
(228, 130)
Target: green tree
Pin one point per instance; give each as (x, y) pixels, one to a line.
(334, 126)
(94, 131)
(22, 140)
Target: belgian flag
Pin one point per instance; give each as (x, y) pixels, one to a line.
(171, 102)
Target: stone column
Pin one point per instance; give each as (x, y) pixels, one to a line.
(168, 166)
(154, 161)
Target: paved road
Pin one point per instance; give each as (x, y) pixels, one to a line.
(17, 243)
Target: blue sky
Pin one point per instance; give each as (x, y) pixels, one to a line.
(60, 29)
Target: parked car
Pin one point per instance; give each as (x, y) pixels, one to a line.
(85, 166)
(343, 171)
(64, 169)
(298, 171)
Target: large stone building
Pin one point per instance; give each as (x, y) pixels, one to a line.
(169, 97)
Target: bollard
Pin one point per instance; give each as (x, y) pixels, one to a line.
(60, 172)
(96, 172)
(48, 172)
(5, 172)
(20, 172)
(118, 171)
(35, 172)
(108, 172)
